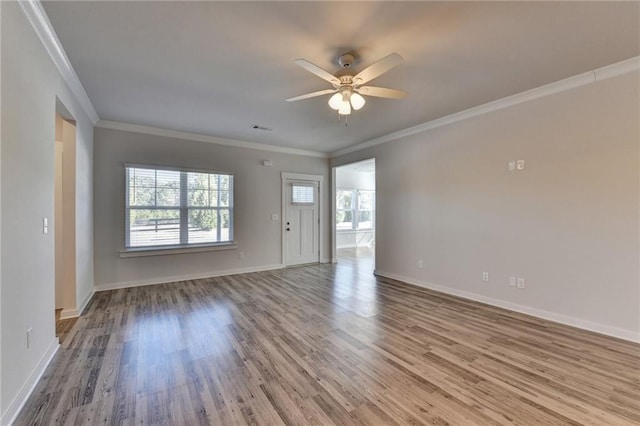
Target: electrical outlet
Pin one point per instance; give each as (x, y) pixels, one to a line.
(512, 281)
(485, 276)
(241, 254)
(420, 264)
(522, 283)
(274, 216)
(29, 337)
(512, 166)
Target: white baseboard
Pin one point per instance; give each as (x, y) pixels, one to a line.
(73, 313)
(164, 280)
(25, 392)
(86, 301)
(630, 335)
(69, 313)
(344, 246)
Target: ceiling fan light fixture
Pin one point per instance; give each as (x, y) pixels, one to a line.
(357, 101)
(346, 92)
(335, 101)
(345, 108)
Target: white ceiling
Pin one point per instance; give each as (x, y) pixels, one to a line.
(217, 68)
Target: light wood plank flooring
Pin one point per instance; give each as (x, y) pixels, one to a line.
(327, 344)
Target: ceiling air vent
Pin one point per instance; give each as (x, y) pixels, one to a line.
(259, 127)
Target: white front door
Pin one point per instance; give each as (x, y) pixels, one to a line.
(301, 222)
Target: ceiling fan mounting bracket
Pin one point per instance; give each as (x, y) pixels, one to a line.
(346, 60)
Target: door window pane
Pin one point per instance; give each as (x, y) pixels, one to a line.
(302, 194)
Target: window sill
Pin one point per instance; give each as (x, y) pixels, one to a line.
(161, 251)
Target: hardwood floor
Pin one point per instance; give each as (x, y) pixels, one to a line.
(327, 344)
(63, 326)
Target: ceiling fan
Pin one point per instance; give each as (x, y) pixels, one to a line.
(348, 89)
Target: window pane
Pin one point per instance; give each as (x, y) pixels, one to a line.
(142, 187)
(224, 198)
(365, 220)
(198, 197)
(203, 226)
(169, 179)
(344, 219)
(167, 197)
(225, 182)
(225, 225)
(344, 199)
(199, 180)
(154, 227)
(366, 200)
(154, 187)
(142, 177)
(142, 196)
(302, 194)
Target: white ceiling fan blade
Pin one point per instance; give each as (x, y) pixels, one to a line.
(381, 92)
(325, 75)
(312, 95)
(378, 68)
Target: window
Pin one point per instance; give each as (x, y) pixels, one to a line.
(168, 207)
(355, 209)
(302, 194)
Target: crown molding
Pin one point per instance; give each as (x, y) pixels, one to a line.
(156, 131)
(40, 22)
(589, 77)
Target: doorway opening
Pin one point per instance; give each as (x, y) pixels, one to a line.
(65, 216)
(355, 212)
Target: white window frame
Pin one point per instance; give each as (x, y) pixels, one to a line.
(355, 209)
(184, 209)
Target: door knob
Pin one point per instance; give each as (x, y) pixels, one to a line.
(288, 229)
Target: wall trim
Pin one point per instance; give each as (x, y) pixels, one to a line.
(177, 278)
(40, 22)
(197, 137)
(69, 313)
(28, 387)
(73, 313)
(620, 333)
(589, 77)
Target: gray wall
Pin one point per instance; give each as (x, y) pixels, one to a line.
(30, 86)
(257, 196)
(568, 223)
